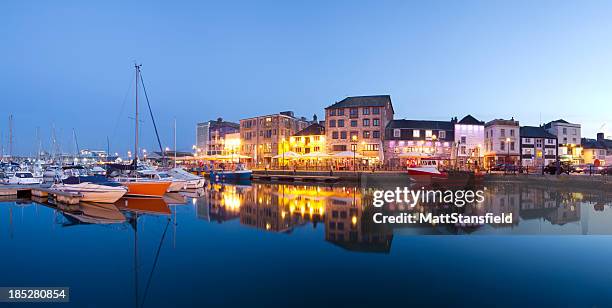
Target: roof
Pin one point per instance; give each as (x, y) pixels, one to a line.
(363, 101)
(536, 132)
(560, 121)
(421, 124)
(314, 129)
(470, 120)
(588, 143)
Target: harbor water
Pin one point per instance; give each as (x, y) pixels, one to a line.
(274, 245)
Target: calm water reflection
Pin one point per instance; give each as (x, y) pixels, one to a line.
(281, 245)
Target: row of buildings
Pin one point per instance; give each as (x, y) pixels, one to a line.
(366, 125)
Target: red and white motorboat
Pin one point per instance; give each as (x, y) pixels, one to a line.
(427, 171)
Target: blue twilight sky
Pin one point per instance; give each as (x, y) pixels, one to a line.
(69, 64)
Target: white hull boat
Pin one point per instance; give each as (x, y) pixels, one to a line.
(94, 192)
(192, 181)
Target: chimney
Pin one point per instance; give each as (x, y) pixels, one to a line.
(600, 137)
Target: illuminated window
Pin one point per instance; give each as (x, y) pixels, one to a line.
(416, 133)
(397, 133)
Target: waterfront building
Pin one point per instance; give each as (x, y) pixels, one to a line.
(357, 124)
(210, 136)
(568, 139)
(264, 137)
(538, 146)
(406, 142)
(501, 143)
(469, 140)
(308, 140)
(597, 151)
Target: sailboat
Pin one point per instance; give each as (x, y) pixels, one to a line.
(137, 186)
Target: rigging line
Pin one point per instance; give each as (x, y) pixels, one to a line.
(144, 296)
(122, 108)
(153, 119)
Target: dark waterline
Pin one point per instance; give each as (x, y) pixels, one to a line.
(261, 245)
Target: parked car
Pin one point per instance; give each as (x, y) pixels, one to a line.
(607, 170)
(505, 167)
(587, 168)
(563, 166)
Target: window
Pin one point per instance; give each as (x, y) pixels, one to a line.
(574, 140)
(442, 134)
(371, 147)
(354, 112)
(343, 135)
(332, 112)
(354, 135)
(366, 110)
(332, 123)
(564, 140)
(366, 134)
(340, 112)
(375, 110)
(502, 145)
(512, 146)
(376, 122)
(527, 140)
(397, 133)
(574, 132)
(353, 123)
(502, 132)
(366, 122)
(375, 134)
(539, 143)
(340, 123)
(565, 130)
(512, 133)
(463, 139)
(428, 133)
(339, 147)
(334, 135)
(463, 150)
(416, 133)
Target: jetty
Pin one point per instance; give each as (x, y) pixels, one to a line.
(40, 192)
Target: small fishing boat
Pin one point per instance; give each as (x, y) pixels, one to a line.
(93, 192)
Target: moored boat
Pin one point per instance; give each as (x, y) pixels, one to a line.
(22, 178)
(93, 192)
(144, 188)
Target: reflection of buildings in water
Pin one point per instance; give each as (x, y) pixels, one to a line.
(552, 205)
(501, 199)
(346, 225)
(280, 208)
(222, 202)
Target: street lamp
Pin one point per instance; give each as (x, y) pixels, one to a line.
(354, 145)
(507, 157)
(283, 149)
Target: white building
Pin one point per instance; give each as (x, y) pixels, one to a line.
(538, 147)
(469, 140)
(501, 142)
(568, 138)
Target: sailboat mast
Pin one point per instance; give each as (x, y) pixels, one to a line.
(11, 137)
(174, 142)
(137, 67)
